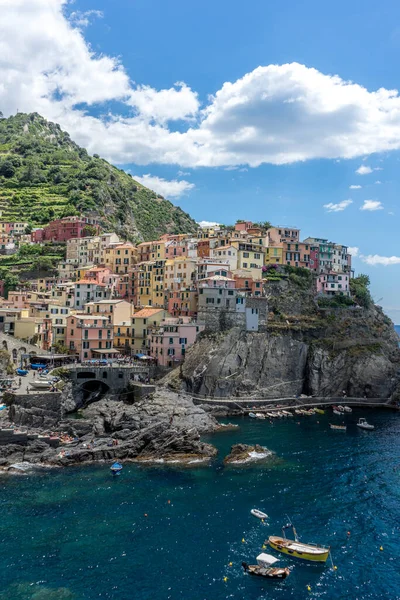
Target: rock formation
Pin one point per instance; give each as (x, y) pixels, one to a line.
(244, 454)
(305, 349)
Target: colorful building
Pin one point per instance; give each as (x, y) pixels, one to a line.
(170, 340)
(141, 322)
(333, 283)
(90, 337)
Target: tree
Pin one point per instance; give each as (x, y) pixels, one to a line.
(10, 283)
(359, 289)
(43, 263)
(7, 169)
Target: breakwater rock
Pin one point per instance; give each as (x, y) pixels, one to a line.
(242, 454)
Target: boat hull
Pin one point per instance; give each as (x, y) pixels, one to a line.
(304, 551)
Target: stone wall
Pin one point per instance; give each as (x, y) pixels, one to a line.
(35, 410)
(222, 318)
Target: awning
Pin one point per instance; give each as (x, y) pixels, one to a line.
(106, 351)
(139, 355)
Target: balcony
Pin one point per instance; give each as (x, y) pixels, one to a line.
(93, 326)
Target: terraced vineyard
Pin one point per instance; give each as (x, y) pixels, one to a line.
(44, 175)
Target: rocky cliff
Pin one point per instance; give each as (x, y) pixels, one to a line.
(305, 349)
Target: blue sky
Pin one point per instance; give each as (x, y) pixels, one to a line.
(281, 143)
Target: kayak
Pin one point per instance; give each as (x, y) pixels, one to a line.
(258, 513)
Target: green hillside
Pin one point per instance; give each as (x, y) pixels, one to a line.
(44, 175)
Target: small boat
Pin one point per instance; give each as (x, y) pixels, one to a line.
(341, 408)
(259, 514)
(347, 409)
(269, 573)
(319, 411)
(309, 412)
(42, 384)
(312, 552)
(116, 468)
(260, 416)
(362, 423)
(337, 412)
(271, 415)
(22, 372)
(298, 411)
(252, 415)
(280, 414)
(338, 427)
(287, 413)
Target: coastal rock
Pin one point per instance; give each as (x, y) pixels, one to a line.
(314, 352)
(244, 454)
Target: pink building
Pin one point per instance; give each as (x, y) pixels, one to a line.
(243, 225)
(37, 235)
(171, 339)
(90, 337)
(333, 284)
(183, 303)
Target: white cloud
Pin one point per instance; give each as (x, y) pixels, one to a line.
(378, 182)
(375, 259)
(372, 205)
(363, 170)
(82, 19)
(355, 187)
(353, 250)
(275, 114)
(207, 223)
(176, 103)
(183, 173)
(168, 188)
(339, 206)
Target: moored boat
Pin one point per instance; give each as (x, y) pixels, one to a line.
(295, 548)
(287, 413)
(259, 514)
(116, 468)
(363, 424)
(252, 415)
(319, 411)
(338, 427)
(340, 408)
(337, 412)
(347, 409)
(269, 572)
(260, 416)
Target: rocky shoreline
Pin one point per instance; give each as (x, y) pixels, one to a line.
(163, 428)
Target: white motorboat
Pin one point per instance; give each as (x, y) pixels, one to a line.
(362, 423)
(260, 416)
(42, 384)
(287, 413)
(347, 409)
(341, 408)
(259, 514)
(337, 412)
(252, 415)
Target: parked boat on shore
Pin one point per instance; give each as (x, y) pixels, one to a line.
(42, 384)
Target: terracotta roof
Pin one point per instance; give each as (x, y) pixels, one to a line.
(147, 312)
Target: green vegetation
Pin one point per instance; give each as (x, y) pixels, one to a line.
(359, 289)
(300, 276)
(44, 175)
(335, 302)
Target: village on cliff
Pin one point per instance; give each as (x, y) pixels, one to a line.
(112, 299)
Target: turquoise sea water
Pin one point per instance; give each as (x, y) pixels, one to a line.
(79, 534)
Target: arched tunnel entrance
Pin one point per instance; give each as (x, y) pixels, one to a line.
(92, 391)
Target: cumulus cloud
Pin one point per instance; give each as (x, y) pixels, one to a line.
(207, 224)
(179, 102)
(355, 187)
(339, 206)
(372, 205)
(168, 188)
(378, 182)
(376, 259)
(353, 250)
(364, 170)
(275, 114)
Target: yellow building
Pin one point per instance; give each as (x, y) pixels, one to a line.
(179, 273)
(123, 337)
(250, 256)
(141, 323)
(117, 311)
(120, 258)
(148, 283)
(274, 255)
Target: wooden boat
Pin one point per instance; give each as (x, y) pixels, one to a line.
(258, 513)
(319, 411)
(362, 423)
(312, 552)
(347, 409)
(252, 415)
(269, 573)
(338, 427)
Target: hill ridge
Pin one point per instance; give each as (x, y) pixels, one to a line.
(45, 175)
